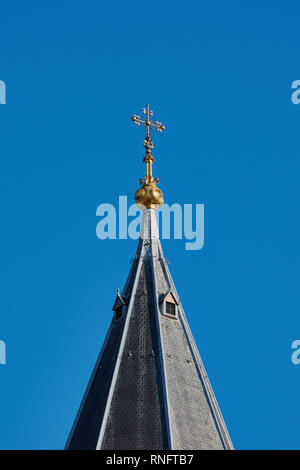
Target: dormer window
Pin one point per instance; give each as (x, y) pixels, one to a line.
(170, 308)
(119, 307)
(169, 305)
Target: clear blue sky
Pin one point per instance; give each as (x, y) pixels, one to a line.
(219, 75)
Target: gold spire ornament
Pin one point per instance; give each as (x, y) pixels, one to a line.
(149, 195)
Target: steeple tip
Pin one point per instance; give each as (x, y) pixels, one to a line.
(149, 195)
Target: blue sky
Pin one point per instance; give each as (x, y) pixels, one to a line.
(219, 76)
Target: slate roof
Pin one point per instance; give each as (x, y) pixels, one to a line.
(149, 389)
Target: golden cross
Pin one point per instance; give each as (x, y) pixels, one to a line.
(148, 144)
(146, 122)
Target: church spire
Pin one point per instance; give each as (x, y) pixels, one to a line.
(148, 196)
(149, 389)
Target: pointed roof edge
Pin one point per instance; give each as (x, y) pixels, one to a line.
(173, 294)
(120, 298)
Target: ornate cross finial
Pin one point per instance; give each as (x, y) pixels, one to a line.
(146, 122)
(147, 195)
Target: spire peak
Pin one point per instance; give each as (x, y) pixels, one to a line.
(148, 196)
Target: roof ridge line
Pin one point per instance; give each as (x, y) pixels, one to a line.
(163, 368)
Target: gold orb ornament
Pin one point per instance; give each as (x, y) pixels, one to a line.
(149, 196)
